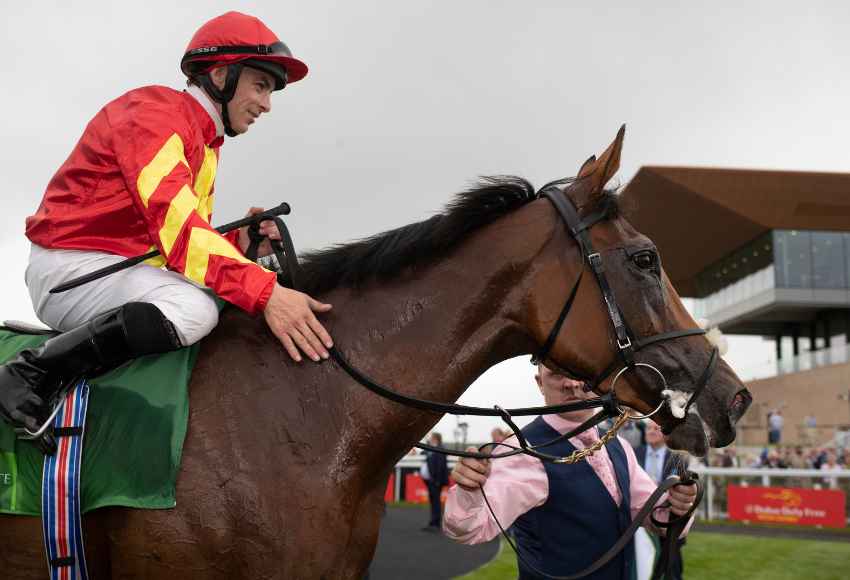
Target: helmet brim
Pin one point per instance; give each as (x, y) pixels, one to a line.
(295, 69)
(282, 72)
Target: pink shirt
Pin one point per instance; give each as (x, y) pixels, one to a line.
(519, 483)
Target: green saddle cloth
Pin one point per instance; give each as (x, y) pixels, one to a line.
(135, 427)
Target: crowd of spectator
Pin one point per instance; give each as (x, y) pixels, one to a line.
(784, 457)
(825, 459)
(772, 456)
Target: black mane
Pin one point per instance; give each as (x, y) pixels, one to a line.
(385, 255)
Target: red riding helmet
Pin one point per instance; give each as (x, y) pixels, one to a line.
(238, 38)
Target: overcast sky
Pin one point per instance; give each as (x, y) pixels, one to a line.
(408, 102)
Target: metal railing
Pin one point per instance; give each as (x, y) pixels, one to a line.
(715, 480)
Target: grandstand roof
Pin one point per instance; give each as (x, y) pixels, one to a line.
(697, 216)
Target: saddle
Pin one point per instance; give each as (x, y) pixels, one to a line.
(21, 327)
(135, 428)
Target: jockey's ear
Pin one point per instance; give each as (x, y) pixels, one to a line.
(595, 173)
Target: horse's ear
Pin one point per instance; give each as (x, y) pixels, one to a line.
(587, 167)
(595, 173)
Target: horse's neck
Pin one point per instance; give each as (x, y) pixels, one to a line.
(431, 334)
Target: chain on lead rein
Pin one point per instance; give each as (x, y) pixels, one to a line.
(580, 454)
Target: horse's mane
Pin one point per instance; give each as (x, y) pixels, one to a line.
(385, 255)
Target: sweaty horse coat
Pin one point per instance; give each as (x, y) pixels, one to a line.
(285, 465)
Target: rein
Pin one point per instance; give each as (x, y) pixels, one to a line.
(627, 346)
(608, 402)
(673, 528)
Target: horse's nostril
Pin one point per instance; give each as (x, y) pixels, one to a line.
(740, 403)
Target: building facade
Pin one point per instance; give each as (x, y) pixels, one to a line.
(764, 253)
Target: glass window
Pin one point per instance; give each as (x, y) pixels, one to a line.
(847, 258)
(793, 258)
(828, 260)
(746, 260)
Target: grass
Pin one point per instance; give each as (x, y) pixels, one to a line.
(720, 524)
(503, 566)
(731, 557)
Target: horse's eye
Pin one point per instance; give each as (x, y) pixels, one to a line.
(644, 260)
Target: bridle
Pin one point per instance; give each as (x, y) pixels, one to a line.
(627, 346)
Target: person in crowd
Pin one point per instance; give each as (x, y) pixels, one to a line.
(795, 459)
(554, 507)
(633, 432)
(435, 472)
(819, 458)
(497, 435)
(810, 425)
(730, 458)
(775, 423)
(831, 465)
(774, 461)
(750, 460)
(660, 463)
(763, 456)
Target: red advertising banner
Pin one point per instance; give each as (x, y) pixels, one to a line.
(389, 494)
(784, 505)
(416, 491)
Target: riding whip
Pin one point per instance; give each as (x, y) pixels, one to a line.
(269, 214)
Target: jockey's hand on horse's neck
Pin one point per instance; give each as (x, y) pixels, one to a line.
(290, 316)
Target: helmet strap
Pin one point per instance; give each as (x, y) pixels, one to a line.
(223, 96)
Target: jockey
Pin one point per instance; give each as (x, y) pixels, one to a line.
(141, 178)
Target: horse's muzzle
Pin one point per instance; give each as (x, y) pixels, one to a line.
(740, 403)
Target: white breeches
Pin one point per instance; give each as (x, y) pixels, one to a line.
(190, 308)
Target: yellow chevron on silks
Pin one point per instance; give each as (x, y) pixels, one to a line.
(163, 163)
(204, 182)
(179, 210)
(157, 261)
(203, 243)
(210, 203)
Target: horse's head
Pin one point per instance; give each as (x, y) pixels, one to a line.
(667, 364)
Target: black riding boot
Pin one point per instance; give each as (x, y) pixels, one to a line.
(32, 379)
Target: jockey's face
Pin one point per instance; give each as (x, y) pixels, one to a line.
(558, 389)
(253, 96)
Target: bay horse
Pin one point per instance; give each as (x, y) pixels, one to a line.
(285, 465)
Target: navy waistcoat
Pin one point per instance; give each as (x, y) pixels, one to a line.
(579, 521)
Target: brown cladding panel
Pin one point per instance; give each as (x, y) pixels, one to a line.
(690, 231)
(698, 215)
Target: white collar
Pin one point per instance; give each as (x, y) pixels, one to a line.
(206, 102)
